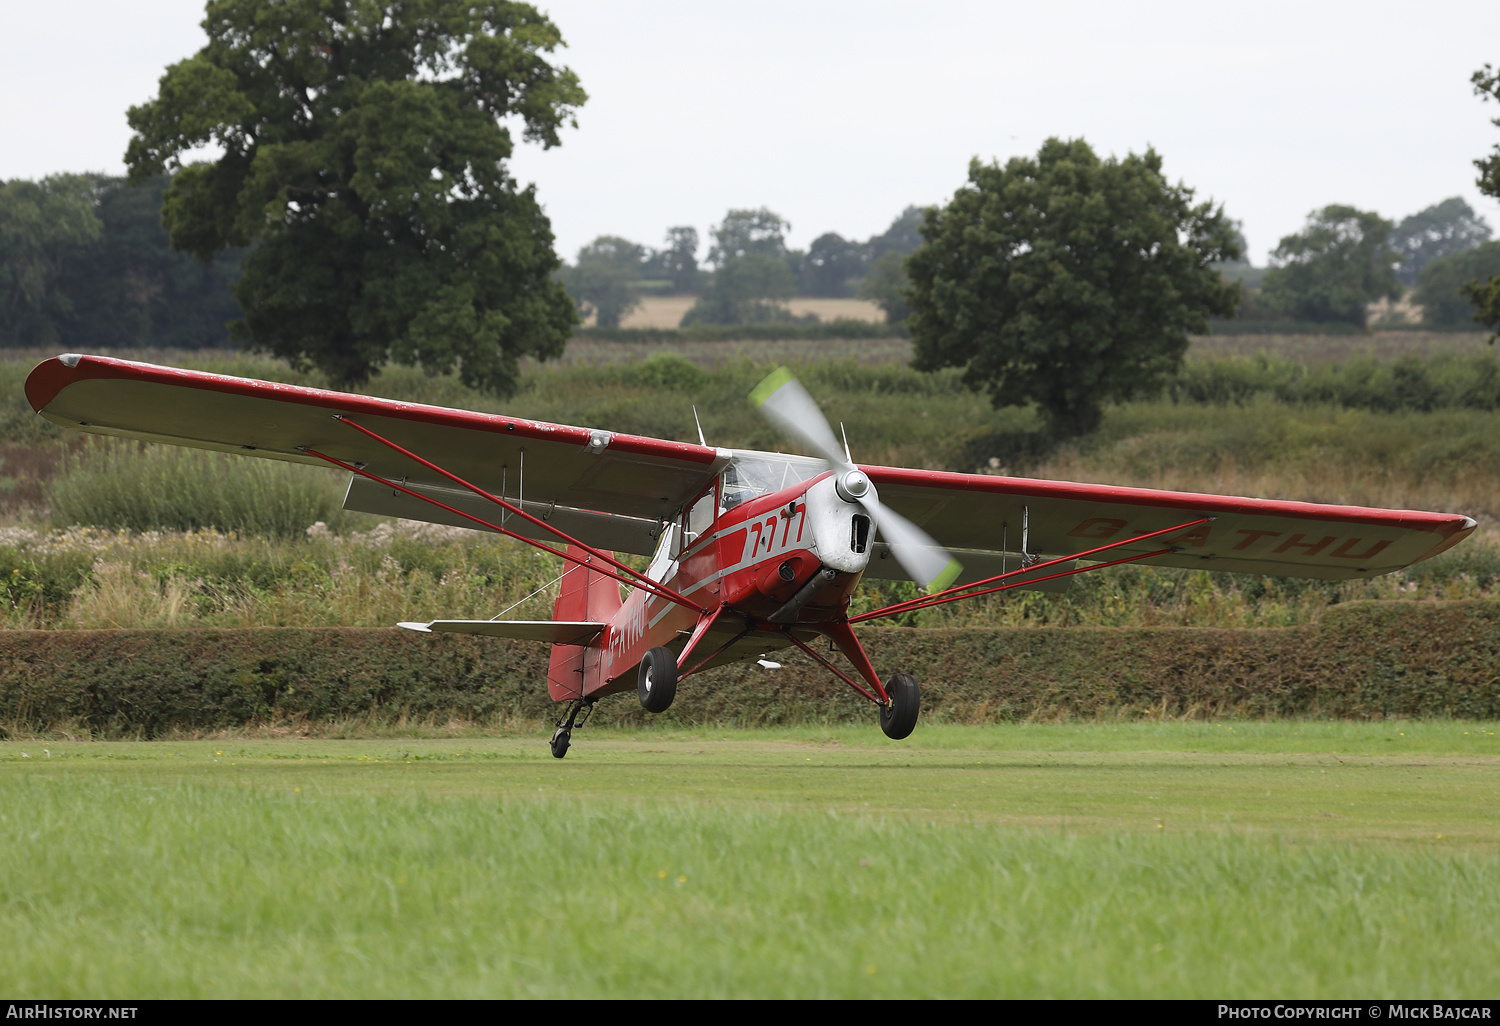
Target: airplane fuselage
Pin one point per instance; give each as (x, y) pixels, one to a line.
(791, 556)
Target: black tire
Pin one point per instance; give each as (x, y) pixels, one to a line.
(899, 718)
(559, 743)
(658, 680)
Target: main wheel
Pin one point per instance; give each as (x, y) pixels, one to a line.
(658, 680)
(560, 741)
(899, 718)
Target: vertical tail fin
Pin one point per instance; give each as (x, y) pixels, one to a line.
(586, 595)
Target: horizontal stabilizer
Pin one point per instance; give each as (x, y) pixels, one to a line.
(559, 632)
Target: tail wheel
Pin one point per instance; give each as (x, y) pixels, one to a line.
(899, 718)
(658, 680)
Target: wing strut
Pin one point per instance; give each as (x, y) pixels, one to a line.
(646, 582)
(846, 641)
(641, 580)
(966, 591)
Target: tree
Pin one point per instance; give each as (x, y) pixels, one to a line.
(363, 151)
(885, 281)
(743, 232)
(1247, 277)
(753, 271)
(1066, 280)
(128, 288)
(606, 278)
(903, 236)
(679, 260)
(90, 265)
(885, 285)
(41, 225)
(1441, 230)
(747, 289)
(1441, 288)
(1334, 268)
(831, 266)
(1485, 293)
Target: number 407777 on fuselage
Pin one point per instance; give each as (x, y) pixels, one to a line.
(751, 552)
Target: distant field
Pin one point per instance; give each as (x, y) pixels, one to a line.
(667, 311)
(1228, 860)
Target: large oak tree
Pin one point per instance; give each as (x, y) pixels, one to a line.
(362, 148)
(1066, 280)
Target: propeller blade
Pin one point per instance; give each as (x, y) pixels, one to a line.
(919, 554)
(785, 403)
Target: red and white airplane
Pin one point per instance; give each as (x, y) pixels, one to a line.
(750, 551)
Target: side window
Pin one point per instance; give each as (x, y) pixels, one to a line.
(698, 518)
(733, 490)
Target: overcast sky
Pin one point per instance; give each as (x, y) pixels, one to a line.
(837, 115)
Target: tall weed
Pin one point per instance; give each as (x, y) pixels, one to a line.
(119, 485)
(86, 578)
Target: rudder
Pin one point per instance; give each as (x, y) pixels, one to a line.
(586, 594)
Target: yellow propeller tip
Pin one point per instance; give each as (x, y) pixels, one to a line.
(945, 577)
(774, 380)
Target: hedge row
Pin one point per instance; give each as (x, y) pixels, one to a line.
(771, 331)
(1280, 327)
(1360, 660)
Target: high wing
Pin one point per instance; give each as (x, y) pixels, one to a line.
(616, 491)
(1259, 536)
(610, 490)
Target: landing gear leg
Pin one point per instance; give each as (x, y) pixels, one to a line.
(903, 701)
(562, 737)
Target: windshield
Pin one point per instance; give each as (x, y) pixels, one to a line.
(756, 474)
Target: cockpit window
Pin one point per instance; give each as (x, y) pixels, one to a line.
(749, 476)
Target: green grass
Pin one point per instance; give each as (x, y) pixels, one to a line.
(1293, 859)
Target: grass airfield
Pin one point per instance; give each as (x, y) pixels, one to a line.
(1243, 859)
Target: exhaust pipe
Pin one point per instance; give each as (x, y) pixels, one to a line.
(788, 612)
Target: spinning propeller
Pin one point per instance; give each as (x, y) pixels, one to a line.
(785, 403)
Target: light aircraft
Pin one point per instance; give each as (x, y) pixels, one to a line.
(751, 552)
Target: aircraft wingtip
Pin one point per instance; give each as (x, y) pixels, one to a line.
(411, 626)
